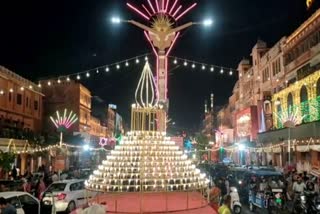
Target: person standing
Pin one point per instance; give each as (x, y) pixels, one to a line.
(6, 208)
(226, 206)
(41, 187)
(214, 197)
(14, 173)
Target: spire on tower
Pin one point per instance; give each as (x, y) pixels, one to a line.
(205, 106)
(212, 101)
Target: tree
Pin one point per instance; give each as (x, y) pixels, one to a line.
(202, 144)
(6, 159)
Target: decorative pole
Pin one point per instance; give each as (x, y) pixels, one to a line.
(162, 33)
(290, 119)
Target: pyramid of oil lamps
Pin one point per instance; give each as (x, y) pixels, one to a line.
(146, 160)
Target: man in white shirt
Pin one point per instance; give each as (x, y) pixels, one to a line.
(297, 188)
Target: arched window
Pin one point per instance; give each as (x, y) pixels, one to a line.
(304, 103)
(290, 102)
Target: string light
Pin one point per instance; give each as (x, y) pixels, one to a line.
(68, 79)
(221, 71)
(230, 72)
(22, 88)
(49, 83)
(39, 85)
(1, 92)
(30, 87)
(136, 59)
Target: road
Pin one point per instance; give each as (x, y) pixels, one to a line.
(245, 210)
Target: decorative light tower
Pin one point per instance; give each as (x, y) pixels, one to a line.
(62, 123)
(147, 169)
(162, 33)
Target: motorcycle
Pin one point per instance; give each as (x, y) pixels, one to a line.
(235, 200)
(274, 201)
(307, 203)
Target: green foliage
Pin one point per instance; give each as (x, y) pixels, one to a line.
(202, 144)
(6, 159)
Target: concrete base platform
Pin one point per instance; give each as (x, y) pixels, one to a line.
(160, 203)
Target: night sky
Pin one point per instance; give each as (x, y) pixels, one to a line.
(48, 38)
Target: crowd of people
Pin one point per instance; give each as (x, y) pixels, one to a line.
(292, 183)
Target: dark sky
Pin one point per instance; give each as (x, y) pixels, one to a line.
(45, 38)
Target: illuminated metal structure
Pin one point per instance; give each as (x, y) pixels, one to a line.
(162, 34)
(147, 164)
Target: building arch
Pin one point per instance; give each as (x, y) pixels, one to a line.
(304, 102)
(278, 110)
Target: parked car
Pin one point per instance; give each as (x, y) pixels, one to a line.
(66, 195)
(10, 185)
(23, 202)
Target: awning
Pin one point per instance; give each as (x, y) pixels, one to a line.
(315, 148)
(303, 148)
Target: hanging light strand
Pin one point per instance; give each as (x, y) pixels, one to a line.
(203, 66)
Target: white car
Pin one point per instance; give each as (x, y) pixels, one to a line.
(66, 195)
(22, 201)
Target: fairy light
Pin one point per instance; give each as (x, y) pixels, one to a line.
(78, 77)
(107, 69)
(185, 63)
(97, 71)
(87, 74)
(221, 71)
(137, 61)
(22, 89)
(118, 66)
(193, 65)
(203, 67)
(59, 81)
(68, 79)
(127, 64)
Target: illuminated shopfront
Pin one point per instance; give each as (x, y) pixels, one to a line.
(301, 98)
